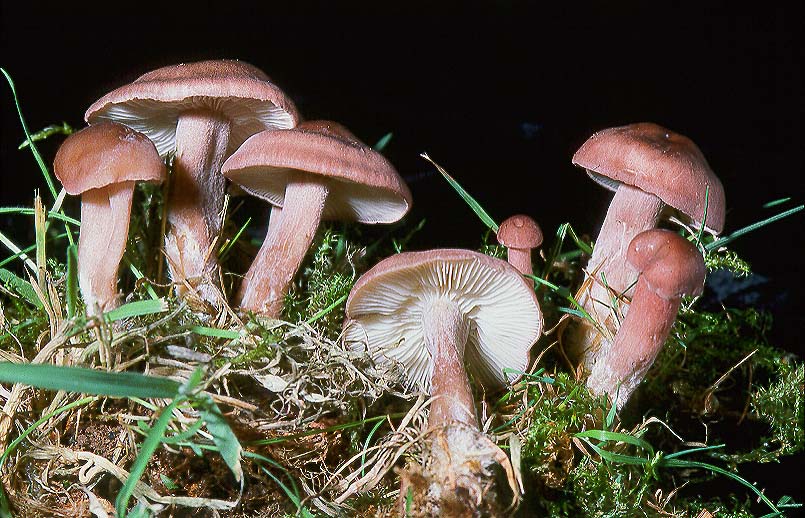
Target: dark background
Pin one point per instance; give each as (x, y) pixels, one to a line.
(500, 96)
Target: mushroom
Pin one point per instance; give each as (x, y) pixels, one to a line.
(651, 169)
(428, 312)
(519, 234)
(670, 267)
(201, 112)
(101, 163)
(318, 170)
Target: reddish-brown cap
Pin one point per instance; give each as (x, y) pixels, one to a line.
(658, 161)
(237, 90)
(669, 263)
(520, 232)
(364, 186)
(385, 307)
(104, 154)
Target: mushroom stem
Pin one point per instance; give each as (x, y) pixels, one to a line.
(520, 259)
(286, 243)
(105, 216)
(639, 340)
(196, 202)
(631, 212)
(446, 331)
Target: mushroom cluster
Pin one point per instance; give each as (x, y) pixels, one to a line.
(213, 121)
(453, 320)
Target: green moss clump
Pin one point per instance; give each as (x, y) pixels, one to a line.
(781, 405)
(326, 277)
(727, 260)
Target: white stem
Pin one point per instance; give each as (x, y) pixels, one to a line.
(105, 215)
(196, 202)
(446, 332)
(266, 283)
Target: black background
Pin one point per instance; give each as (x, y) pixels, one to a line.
(501, 96)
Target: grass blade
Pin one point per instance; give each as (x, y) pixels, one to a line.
(27, 211)
(775, 203)
(474, 205)
(28, 138)
(71, 286)
(88, 381)
(147, 449)
(326, 310)
(224, 438)
(605, 435)
(224, 251)
(381, 144)
(21, 286)
(749, 228)
(214, 332)
(137, 308)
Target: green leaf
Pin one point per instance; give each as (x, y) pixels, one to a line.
(381, 144)
(147, 449)
(474, 205)
(88, 381)
(616, 457)
(605, 435)
(168, 482)
(137, 308)
(214, 332)
(21, 286)
(774, 203)
(222, 435)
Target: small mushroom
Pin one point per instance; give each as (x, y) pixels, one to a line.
(101, 163)
(670, 268)
(202, 112)
(318, 170)
(429, 312)
(652, 171)
(519, 234)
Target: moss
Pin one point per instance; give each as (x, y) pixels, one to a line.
(725, 259)
(781, 405)
(725, 507)
(326, 276)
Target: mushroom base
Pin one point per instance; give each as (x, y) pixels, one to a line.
(636, 346)
(464, 475)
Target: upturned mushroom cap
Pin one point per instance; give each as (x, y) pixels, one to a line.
(658, 161)
(670, 265)
(363, 185)
(106, 153)
(385, 309)
(153, 102)
(520, 231)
